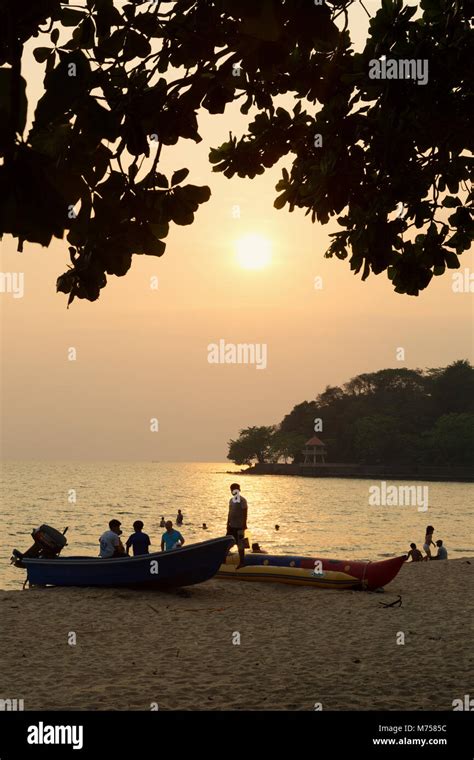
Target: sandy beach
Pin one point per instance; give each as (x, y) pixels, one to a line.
(298, 646)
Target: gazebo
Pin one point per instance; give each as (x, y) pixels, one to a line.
(315, 451)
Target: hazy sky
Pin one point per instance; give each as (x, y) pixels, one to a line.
(143, 353)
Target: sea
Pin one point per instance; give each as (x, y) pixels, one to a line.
(317, 517)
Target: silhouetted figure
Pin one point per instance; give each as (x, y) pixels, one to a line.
(171, 539)
(428, 541)
(110, 543)
(415, 554)
(237, 520)
(442, 551)
(139, 540)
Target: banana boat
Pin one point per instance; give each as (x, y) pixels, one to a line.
(312, 571)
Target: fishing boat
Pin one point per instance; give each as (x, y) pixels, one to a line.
(312, 571)
(161, 570)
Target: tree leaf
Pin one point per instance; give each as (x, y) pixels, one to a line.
(451, 202)
(280, 201)
(136, 46)
(71, 17)
(178, 176)
(41, 54)
(160, 230)
(5, 102)
(84, 34)
(111, 46)
(157, 180)
(196, 194)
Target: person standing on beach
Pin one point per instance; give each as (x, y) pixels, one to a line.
(237, 521)
(428, 542)
(179, 518)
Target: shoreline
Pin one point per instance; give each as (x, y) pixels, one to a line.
(364, 472)
(298, 645)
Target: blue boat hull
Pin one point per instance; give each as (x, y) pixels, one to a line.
(161, 570)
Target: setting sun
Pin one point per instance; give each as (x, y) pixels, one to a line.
(253, 252)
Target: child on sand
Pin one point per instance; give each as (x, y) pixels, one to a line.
(139, 540)
(428, 542)
(415, 554)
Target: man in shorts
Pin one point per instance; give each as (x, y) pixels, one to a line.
(237, 520)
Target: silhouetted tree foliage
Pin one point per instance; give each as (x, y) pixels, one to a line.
(253, 444)
(451, 439)
(393, 416)
(114, 95)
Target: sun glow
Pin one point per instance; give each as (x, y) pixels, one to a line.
(253, 252)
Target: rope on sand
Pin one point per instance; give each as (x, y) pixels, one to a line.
(396, 603)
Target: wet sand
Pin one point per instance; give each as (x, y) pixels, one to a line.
(298, 646)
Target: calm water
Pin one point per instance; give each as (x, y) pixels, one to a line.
(325, 517)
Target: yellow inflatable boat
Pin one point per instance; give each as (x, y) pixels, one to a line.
(312, 571)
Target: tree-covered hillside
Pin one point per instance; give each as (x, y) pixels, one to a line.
(392, 416)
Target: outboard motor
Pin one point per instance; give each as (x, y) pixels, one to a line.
(48, 543)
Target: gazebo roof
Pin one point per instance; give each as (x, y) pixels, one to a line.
(315, 441)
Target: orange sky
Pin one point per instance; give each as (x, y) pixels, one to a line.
(142, 353)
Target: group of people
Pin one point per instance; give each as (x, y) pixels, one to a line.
(179, 519)
(417, 556)
(112, 546)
